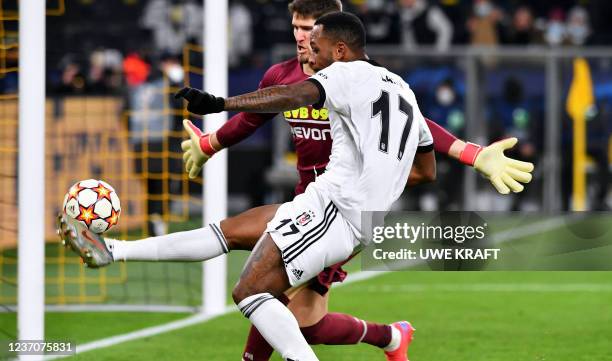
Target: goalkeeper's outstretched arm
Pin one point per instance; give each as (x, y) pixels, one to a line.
(505, 174)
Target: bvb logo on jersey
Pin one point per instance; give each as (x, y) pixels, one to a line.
(307, 113)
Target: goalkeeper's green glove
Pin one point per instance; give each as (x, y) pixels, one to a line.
(196, 150)
(503, 172)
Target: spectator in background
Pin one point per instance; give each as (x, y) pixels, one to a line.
(105, 71)
(136, 69)
(447, 109)
(73, 79)
(555, 29)
(380, 20)
(522, 30)
(598, 138)
(456, 11)
(240, 34)
(172, 69)
(153, 133)
(424, 24)
(174, 73)
(484, 23)
(173, 23)
(578, 26)
(515, 116)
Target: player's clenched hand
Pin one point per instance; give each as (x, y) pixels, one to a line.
(199, 102)
(503, 172)
(196, 150)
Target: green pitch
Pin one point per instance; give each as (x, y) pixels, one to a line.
(458, 316)
(492, 316)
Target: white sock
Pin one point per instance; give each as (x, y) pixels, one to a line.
(396, 340)
(278, 326)
(197, 245)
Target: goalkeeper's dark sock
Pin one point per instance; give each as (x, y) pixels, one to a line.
(334, 329)
(382, 336)
(257, 348)
(343, 329)
(197, 245)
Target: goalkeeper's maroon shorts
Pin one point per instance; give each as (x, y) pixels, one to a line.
(331, 274)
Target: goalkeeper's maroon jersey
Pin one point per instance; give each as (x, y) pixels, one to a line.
(309, 127)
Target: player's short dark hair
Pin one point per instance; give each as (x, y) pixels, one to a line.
(345, 27)
(314, 8)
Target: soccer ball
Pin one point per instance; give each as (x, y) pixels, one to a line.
(94, 203)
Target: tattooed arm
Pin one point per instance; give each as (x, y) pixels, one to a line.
(275, 99)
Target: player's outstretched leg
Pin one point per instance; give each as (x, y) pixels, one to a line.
(235, 233)
(97, 251)
(262, 281)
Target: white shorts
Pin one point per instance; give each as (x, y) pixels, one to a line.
(311, 235)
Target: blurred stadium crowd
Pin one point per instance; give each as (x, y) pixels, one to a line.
(114, 47)
(107, 57)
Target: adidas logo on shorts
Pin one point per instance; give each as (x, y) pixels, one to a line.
(297, 273)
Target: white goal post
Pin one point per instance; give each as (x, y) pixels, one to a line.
(31, 173)
(215, 171)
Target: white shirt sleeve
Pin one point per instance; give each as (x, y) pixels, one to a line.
(425, 137)
(334, 84)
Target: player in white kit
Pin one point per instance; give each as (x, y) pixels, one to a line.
(378, 135)
(377, 129)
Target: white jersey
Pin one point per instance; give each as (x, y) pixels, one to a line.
(377, 128)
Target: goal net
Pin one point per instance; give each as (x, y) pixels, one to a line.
(103, 122)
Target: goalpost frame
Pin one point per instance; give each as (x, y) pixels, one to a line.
(31, 172)
(31, 164)
(214, 287)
